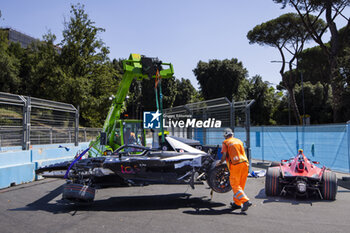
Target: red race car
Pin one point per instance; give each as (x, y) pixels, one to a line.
(300, 176)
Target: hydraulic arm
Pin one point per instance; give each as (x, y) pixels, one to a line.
(136, 67)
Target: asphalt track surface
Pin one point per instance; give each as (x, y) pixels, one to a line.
(36, 207)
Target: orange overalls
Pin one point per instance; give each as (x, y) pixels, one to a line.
(238, 165)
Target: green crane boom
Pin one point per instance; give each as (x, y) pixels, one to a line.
(136, 67)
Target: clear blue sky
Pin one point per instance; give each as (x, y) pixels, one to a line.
(180, 31)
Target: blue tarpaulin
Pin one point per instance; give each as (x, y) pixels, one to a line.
(328, 144)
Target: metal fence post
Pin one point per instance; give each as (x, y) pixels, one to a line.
(297, 142)
(204, 130)
(247, 128)
(85, 140)
(51, 141)
(76, 141)
(232, 115)
(189, 129)
(26, 123)
(247, 111)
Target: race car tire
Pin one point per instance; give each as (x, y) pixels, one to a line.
(275, 164)
(78, 193)
(329, 188)
(218, 179)
(272, 184)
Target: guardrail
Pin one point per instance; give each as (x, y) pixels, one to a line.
(27, 121)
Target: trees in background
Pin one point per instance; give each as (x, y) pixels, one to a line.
(330, 10)
(228, 78)
(9, 66)
(288, 34)
(267, 99)
(220, 78)
(314, 65)
(78, 70)
(142, 95)
(185, 92)
(90, 77)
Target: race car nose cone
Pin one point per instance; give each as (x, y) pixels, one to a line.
(301, 186)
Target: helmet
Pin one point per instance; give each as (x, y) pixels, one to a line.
(228, 132)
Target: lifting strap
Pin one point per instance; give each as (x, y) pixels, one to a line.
(158, 82)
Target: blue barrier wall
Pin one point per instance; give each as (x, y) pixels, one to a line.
(17, 166)
(328, 144)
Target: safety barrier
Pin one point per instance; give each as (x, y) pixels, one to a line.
(18, 166)
(328, 144)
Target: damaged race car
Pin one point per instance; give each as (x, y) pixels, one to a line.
(138, 165)
(301, 177)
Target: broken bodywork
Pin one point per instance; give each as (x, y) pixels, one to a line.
(301, 177)
(138, 165)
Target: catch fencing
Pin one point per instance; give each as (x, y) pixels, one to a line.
(27, 121)
(327, 144)
(232, 114)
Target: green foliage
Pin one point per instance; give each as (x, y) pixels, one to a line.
(185, 92)
(42, 74)
(196, 97)
(287, 33)
(319, 108)
(330, 10)
(90, 77)
(9, 67)
(228, 79)
(175, 92)
(314, 65)
(77, 71)
(142, 96)
(344, 64)
(82, 50)
(286, 30)
(266, 100)
(313, 5)
(219, 78)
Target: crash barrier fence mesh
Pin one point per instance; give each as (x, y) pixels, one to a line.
(11, 136)
(327, 144)
(229, 113)
(26, 121)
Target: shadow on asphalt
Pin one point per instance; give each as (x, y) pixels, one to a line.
(211, 211)
(124, 203)
(289, 199)
(344, 184)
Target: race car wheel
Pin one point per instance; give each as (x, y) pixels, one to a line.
(218, 179)
(78, 192)
(275, 164)
(329, 187)
(272, 184)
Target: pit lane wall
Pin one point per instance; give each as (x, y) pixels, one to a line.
(327, 144)
(18, 166)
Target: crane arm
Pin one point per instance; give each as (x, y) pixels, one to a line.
(136, 67)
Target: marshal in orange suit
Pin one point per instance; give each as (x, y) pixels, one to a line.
(238, 165)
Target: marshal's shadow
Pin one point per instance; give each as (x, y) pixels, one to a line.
(289, 199)
(124, 203)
